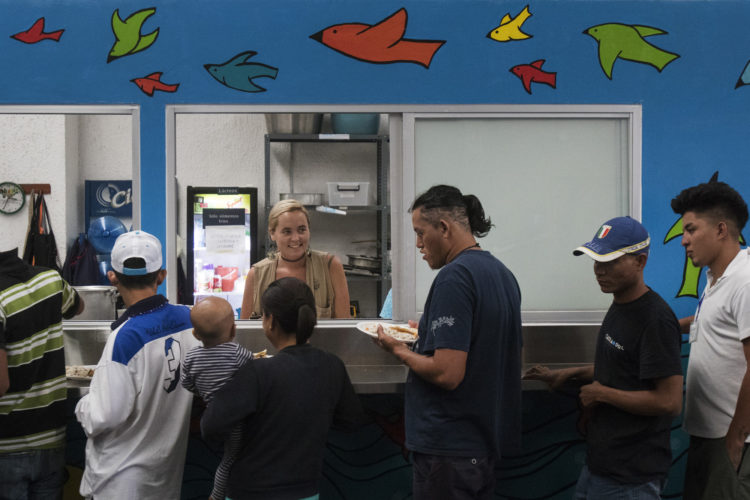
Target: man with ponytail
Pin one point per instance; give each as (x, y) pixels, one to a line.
(463, 391)
(286, 403)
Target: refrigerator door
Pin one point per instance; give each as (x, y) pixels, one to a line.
(221, 242)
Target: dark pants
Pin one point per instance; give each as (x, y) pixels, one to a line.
(36, 475)
(709, 474)
(453, 478)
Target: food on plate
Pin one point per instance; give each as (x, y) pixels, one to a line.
(260, 354)
(402, 333)
(79, 371)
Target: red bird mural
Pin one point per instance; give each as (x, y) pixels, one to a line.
(379, 43)
(151, 83)
(36, 33)
(533, 72)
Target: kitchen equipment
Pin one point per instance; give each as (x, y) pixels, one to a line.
(355, 123)
(350, 194)
(99, 302)
(365, 262)
(304, 198)
(103, 231)
(294, 123)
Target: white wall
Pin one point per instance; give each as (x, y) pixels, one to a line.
(61, 151)
(33, 152)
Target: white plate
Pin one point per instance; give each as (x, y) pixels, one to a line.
(371, 328)
(81, 378)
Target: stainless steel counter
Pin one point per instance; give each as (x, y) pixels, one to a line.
(371, 369)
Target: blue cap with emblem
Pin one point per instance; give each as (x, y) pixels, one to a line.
(615, 238)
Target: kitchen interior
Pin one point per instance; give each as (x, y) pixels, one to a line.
(339, 171)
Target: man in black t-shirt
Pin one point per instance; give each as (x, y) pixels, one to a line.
(636, 378)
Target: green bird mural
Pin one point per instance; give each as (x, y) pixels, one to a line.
(690, 273)
(627, 42)
(128, 38)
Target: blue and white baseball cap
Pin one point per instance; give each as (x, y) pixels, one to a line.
(615, 238)
(138, 244)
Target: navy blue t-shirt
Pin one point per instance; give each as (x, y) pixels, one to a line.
(474, 305)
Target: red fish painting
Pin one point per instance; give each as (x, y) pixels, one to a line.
(380, 43)
(533, 73)
(36, 33)
(151, 83)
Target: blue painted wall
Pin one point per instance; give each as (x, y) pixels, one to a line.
(694, 120)
(693, 117)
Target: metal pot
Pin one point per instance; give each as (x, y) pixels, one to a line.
(294, 123)
(99, 302)
(304, 198)
(364, 262)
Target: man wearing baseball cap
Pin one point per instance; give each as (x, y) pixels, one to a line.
(136, 412)
(634, 387)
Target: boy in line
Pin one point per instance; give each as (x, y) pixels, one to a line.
(136, 414)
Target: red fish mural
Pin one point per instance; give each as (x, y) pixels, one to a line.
(151, 83)
(533, 73)
(380, 43)
(36, 33)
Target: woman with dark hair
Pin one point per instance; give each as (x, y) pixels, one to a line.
(287, 403)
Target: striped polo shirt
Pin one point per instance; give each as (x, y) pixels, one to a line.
(32, 303)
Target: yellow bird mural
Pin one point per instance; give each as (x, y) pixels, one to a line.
(510, 29)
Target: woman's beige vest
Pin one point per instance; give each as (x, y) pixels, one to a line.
(317, 276)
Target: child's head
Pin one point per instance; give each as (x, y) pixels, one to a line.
(213, 321)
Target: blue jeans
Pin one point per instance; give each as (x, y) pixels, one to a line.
(37, 475)
(593, 487)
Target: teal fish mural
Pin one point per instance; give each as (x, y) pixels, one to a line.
(744, 78)
(128, 38)
(627, 42)
(690, 273)
(237, 73)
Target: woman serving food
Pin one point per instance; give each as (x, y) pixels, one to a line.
(289, 228)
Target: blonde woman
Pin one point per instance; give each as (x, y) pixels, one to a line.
(289, 228)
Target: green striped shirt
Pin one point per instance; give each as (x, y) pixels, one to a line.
(32, 302)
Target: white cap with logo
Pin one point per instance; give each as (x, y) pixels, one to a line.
(136, 244)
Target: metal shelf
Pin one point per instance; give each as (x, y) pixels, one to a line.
(325, 138)
(381, 209)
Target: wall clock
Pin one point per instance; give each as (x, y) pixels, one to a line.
(12, 198)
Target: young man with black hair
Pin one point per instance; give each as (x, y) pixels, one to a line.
(136, 412)
(717, 407)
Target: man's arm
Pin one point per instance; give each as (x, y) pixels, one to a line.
(556, 378)
(739, 428)
(664, 399)
(4, 378)
(685, 324)
(110, 400)
(445, 368)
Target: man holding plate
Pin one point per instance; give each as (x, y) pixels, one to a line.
(463, 391)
